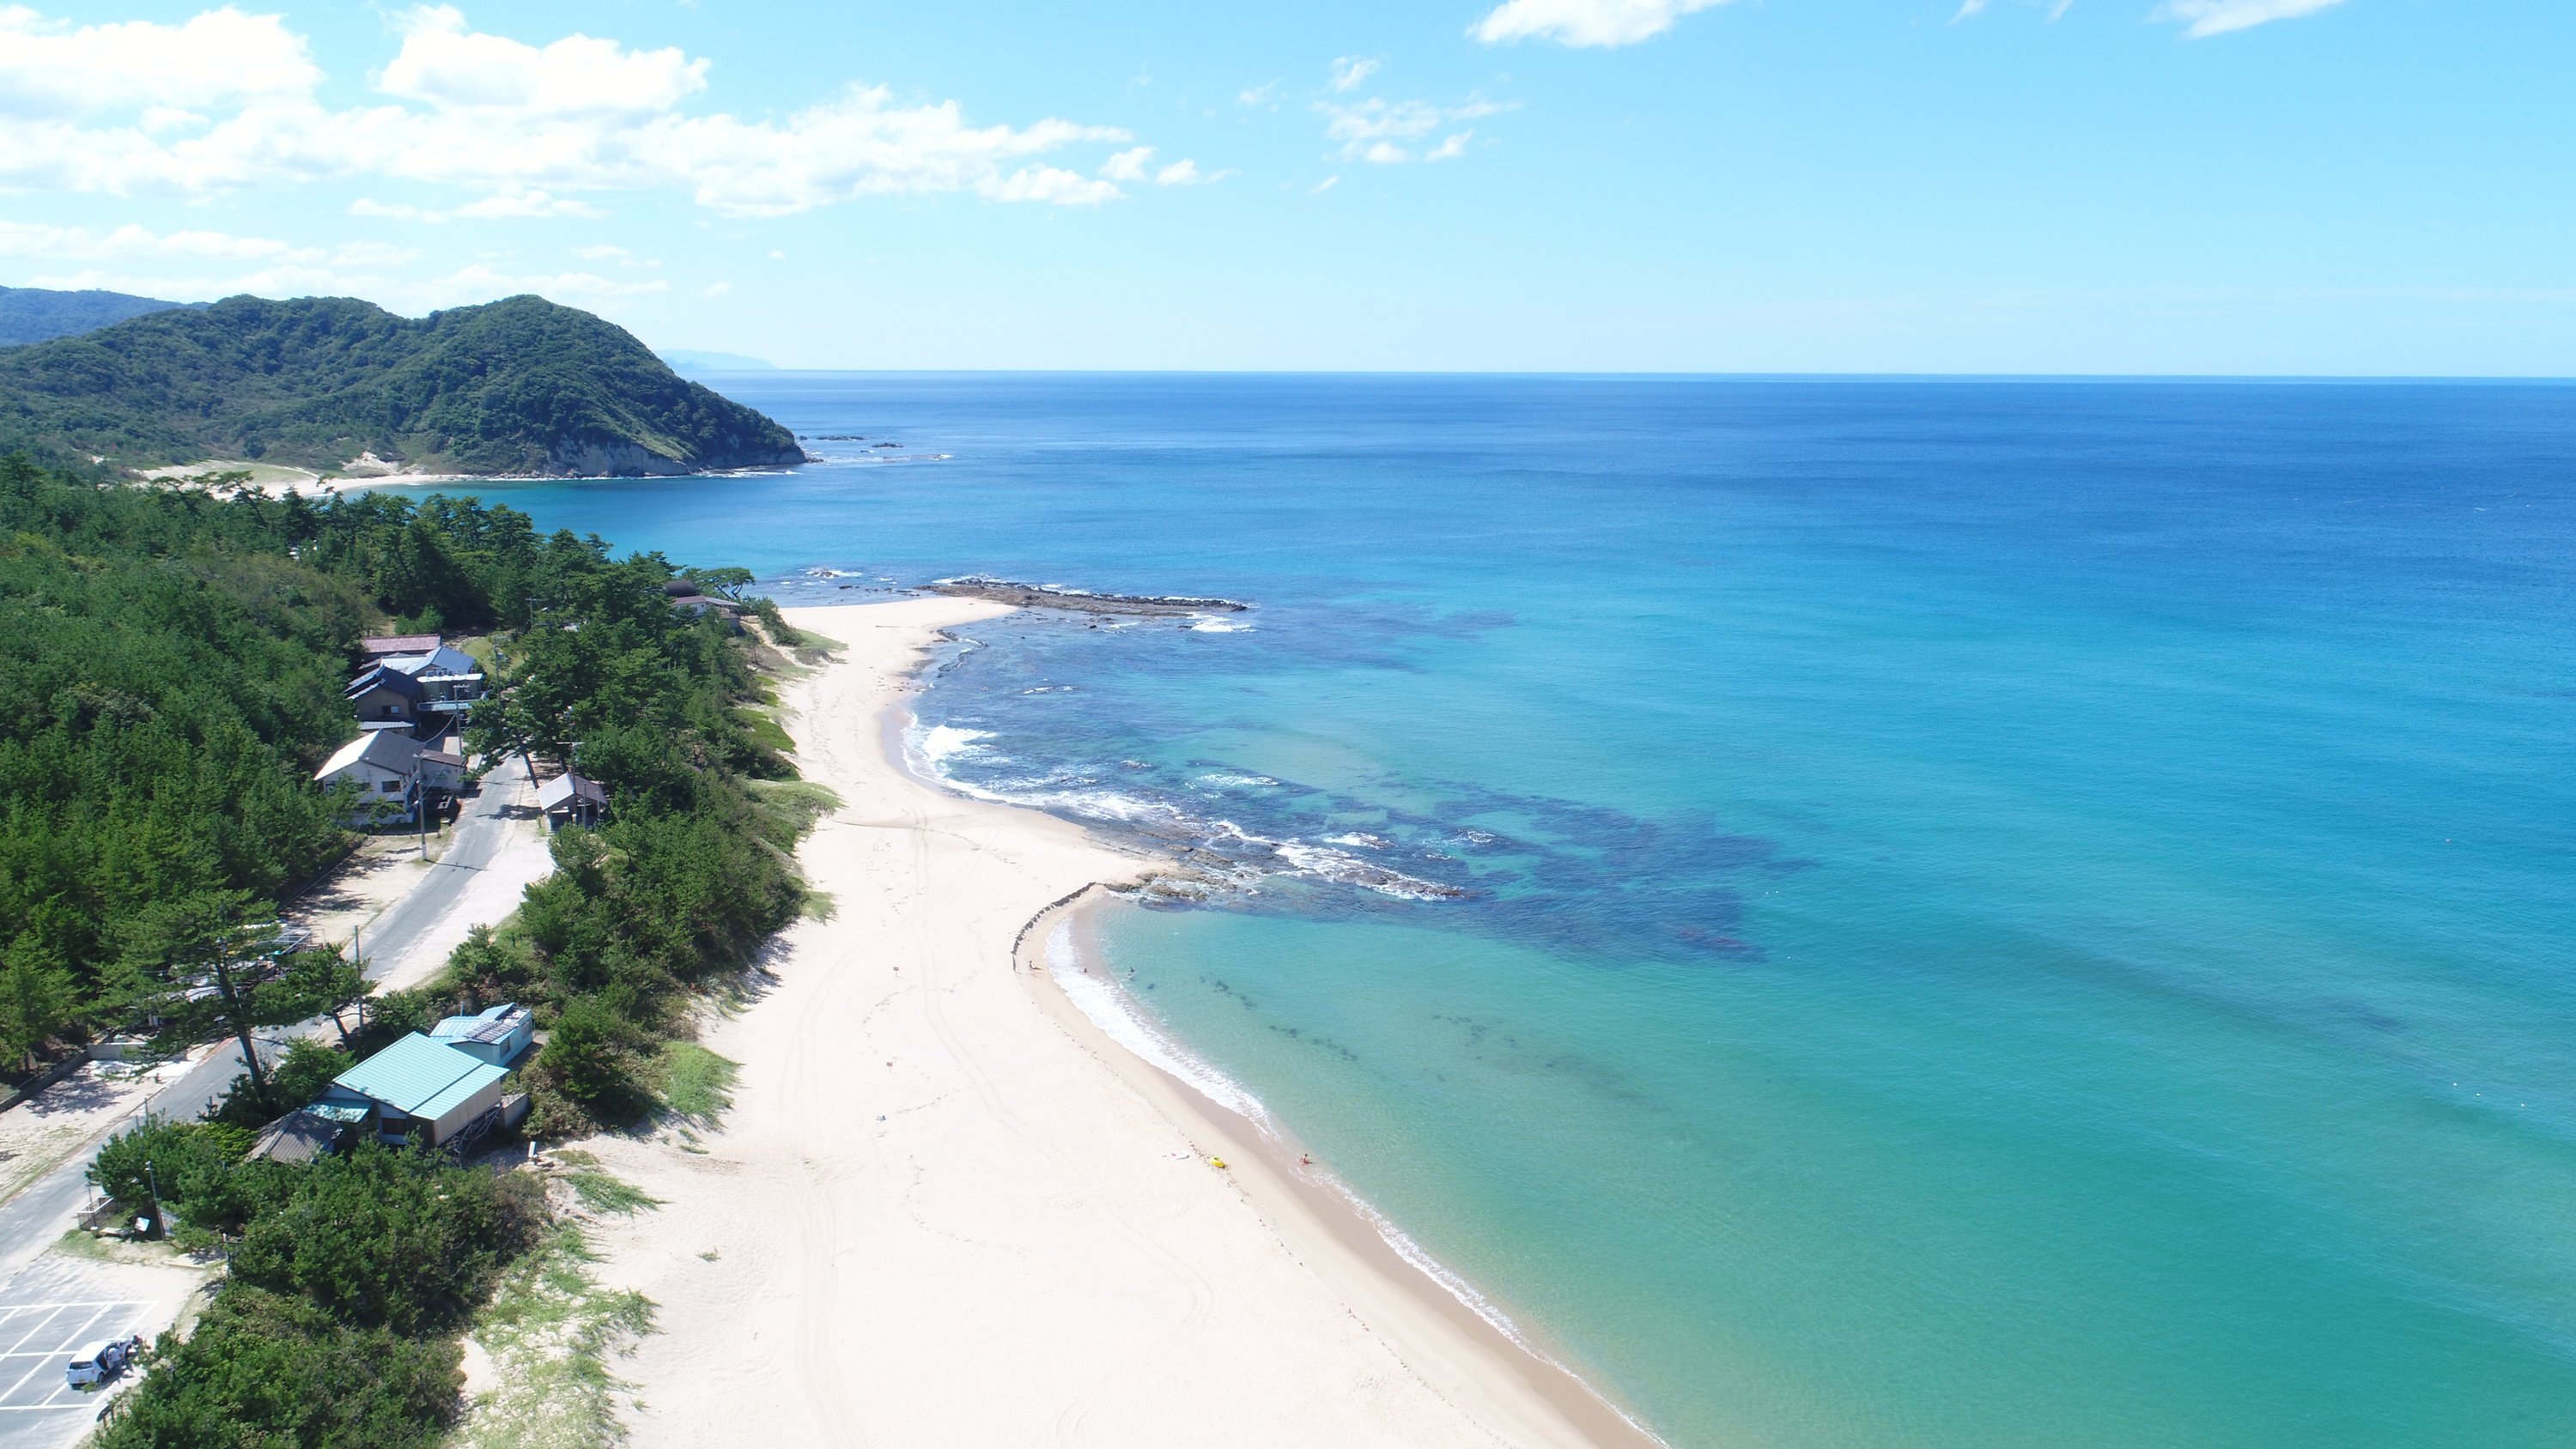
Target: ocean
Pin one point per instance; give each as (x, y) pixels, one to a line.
(1857, 912)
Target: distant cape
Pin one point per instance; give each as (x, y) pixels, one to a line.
(519, 387)
(689, 364)
(33, 314)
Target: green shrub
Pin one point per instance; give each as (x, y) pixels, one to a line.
(388, 1237)
(275, 1372)
(197, 1166)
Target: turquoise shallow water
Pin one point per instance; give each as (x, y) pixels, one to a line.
(1990, 913)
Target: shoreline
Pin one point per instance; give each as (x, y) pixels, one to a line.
(943, 1211)
(1303, 1202)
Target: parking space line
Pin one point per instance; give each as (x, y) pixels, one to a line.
(12, 1391)
(32, 1328)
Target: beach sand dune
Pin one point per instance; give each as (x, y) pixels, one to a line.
(945, 1211)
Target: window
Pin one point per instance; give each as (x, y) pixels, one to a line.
(390, 786)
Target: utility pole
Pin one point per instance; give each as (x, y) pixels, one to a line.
(159, 1228)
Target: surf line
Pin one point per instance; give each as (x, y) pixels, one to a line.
(1204, 1103)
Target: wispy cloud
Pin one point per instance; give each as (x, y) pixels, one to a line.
(1450, 149)
(2217, 17)
(89, 109)
(1350, 70)
(1379, 130)
(351, 272)
(1583, 22)
(1320, 187)
(80, 243)
(1127, 165)
(1186, 172)
(1265, 94)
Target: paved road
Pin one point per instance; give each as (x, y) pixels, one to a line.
(483, 826)
(36, 1217)
(32, 1221)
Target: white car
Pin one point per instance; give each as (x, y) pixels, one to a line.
(103, 1360)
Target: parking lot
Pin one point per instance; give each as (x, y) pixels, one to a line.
(58, 1304)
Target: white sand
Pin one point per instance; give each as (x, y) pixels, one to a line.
(1014, 1255)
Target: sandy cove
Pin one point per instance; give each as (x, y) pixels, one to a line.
(946, 1210)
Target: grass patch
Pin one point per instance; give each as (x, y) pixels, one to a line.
(603, 1193)
(801, 802)
(551, 1330)
(765, 730)
(696, 1083)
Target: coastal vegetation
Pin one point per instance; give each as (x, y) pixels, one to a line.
(170, 663)
(517, 386)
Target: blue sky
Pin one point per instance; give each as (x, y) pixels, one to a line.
(2124, 186)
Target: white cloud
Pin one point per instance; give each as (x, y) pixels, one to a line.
(778, 256)
(1048, 183)
(455, 69)
(1257, 95)
(1583, 22)
(602, 254)
(523, 125)
(1185, 172)
(2217, 17)
(1320, 187)
(1127, 165)
(1374, 130)
(528, 204)
(1350, 70)
(76, 243)
(1968, 8)
(217, 58)
(1450, 149)
(292, 279)
(715, 289)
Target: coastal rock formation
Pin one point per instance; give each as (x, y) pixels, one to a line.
(1052, 596)
(517, 387)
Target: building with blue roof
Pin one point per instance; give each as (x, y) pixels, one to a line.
(420, 1084)
(496, 1034)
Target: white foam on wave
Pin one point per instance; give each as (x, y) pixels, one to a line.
(1344, 868)
(1215, 624)
(1119, 1015)
(941, 743)
(1115, 1012)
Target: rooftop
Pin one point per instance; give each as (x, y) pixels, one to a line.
(488, 1025)
(562, 789)
(419, 1077)
(383, 749)
(400, 643)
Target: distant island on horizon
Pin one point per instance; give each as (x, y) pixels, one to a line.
(521, 387)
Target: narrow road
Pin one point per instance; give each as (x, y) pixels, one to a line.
(31, 1221)
(483, 826)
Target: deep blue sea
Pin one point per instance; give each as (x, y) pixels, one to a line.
(1863, 913)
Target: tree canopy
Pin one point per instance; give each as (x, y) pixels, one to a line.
(516, 386)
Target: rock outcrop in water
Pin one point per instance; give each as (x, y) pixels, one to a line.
(1050, 596)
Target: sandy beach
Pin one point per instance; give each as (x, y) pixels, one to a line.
(948, 1210)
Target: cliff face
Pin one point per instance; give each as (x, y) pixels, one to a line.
(520, 386)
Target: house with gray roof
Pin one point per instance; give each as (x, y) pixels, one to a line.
(383, 764)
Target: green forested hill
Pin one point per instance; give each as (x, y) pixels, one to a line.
(33, 314)
(516, 386)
